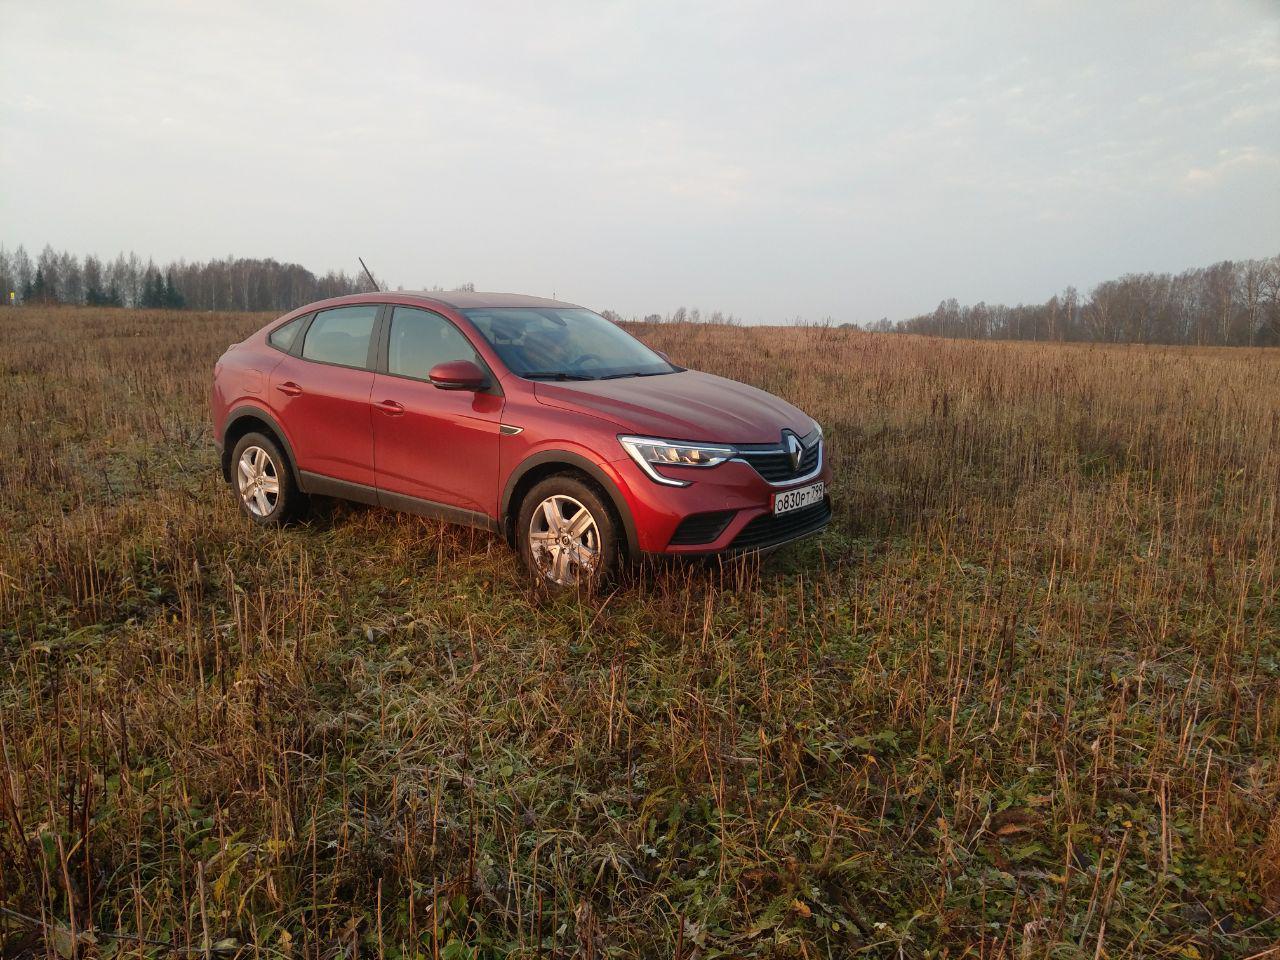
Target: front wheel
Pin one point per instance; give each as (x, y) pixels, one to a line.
(566, 534)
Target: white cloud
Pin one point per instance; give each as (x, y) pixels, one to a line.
(1229, 161)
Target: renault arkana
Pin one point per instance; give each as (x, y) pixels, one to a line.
(539, 420)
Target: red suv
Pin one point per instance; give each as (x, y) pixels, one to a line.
(538, 420)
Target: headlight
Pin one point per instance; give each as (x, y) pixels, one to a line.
(650, 453)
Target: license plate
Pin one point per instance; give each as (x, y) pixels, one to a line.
(799, 498)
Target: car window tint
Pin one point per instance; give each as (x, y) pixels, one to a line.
(282, 337)
(341, 335)
(420, 339)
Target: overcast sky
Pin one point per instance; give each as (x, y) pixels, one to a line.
(769, 159)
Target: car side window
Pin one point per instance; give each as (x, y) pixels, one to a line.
(341, 335)
(282, 337)
(420, 339)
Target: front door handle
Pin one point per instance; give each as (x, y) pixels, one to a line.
(391, 408)
(289, 388)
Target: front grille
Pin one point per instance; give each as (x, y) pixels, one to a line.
(775, 465)
(766, 529)
(701, 527)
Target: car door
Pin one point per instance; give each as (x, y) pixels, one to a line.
(321, 394)
(435, 447)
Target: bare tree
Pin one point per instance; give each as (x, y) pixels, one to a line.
(1227, 303)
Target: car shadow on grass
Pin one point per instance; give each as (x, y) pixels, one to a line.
(652, 573)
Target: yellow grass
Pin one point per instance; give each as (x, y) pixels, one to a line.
(1022, 699)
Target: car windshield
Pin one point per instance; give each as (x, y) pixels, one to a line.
(566, 343)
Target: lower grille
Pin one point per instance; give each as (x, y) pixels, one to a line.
(701, 527)
(766, 529)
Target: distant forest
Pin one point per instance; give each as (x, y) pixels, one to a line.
(129, 281)
(1235, 303)
(1228, 304)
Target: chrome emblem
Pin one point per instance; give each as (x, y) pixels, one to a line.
(795, 450)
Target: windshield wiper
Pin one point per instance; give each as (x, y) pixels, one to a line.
(555, 375)
(637, 373)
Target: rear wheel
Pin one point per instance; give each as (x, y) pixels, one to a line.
(263, 482)
(566, 533)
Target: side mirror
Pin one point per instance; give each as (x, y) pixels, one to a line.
(458, 375)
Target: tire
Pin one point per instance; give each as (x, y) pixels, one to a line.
(577, 553)
(263, 483)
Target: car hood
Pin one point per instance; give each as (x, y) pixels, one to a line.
(687, 405)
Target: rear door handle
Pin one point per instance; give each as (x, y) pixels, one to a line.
(289, 388)
(391, 408)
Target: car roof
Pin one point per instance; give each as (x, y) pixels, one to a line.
(466, 300)
(458, 300)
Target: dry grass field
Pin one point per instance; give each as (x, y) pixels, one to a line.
(1021, 700)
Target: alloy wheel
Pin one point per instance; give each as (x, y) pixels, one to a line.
(565, 540)
(259, 481)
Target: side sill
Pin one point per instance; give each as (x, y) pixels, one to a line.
(321, 485)
(440, 511)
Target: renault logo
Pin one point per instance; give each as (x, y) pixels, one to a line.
(794, 450)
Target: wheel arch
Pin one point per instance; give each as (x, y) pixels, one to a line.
(245, 419)
(546, 463)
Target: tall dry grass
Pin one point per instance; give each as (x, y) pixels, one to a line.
(1020, 700)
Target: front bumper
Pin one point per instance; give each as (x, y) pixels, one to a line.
(731, 504)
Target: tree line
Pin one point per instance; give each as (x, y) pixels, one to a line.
(227, 284)
(679, 315)
(1232, 303)
(230, 283)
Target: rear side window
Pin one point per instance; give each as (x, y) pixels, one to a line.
(341, 335)
(282, 337)
(420, 339)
